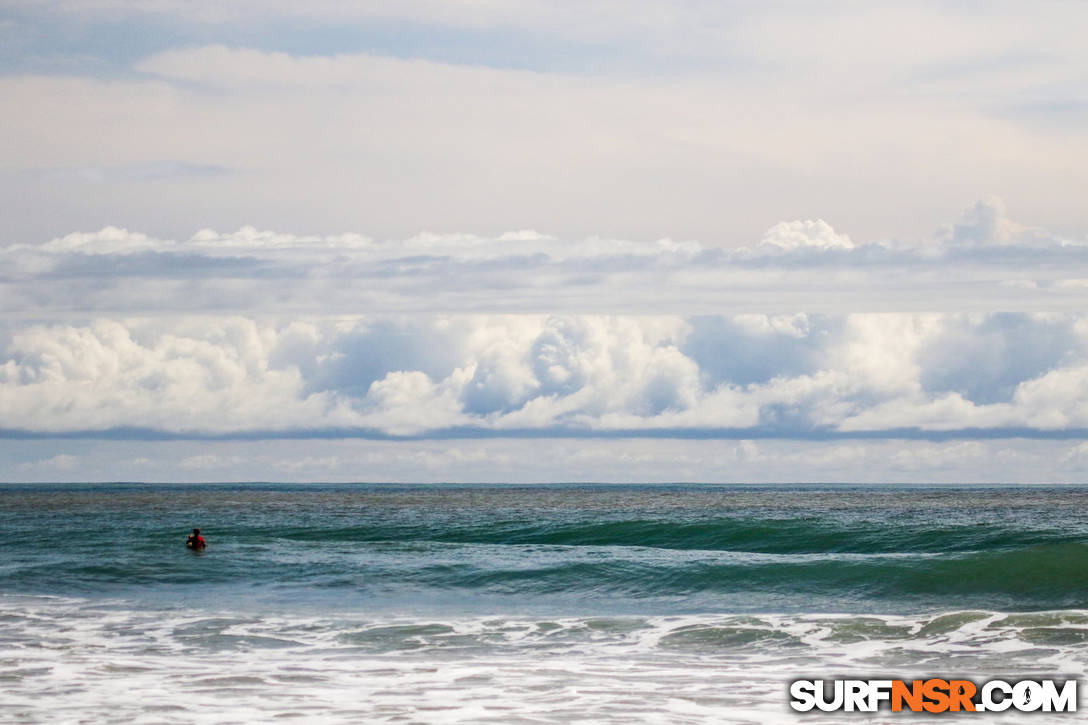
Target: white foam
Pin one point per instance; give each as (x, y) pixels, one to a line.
(64, 660)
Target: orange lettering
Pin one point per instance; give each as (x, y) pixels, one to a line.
(936, 691)
(911, 695)
(960, 694)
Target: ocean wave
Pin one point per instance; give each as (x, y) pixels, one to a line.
(584, 549)
(60, 657)
(764, 535)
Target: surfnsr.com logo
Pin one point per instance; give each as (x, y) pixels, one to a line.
(934, 695)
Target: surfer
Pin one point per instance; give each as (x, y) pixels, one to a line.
(196, 541)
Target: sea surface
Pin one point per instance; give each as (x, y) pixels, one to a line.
(525, 604)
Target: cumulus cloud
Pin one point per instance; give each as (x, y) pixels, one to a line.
(777, 376)
(818, 234)
(987, 223)
(207, 376)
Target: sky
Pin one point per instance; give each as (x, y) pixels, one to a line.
(498, 240)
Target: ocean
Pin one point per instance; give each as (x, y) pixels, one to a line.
(525, 603)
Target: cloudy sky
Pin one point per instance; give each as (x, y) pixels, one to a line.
(509, 240)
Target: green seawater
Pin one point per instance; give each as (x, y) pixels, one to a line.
(607, 549)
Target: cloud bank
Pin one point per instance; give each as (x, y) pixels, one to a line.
(257, 333)
(531, 375)
(983, 261)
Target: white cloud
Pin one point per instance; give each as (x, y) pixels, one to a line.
(985, 262)
(108, 240)
(788, 236)
(987, 223)
(783, 376)
(62, 377)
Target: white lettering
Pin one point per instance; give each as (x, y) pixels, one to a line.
(803, 693)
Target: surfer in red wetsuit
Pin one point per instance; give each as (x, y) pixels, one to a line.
(196, 541)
